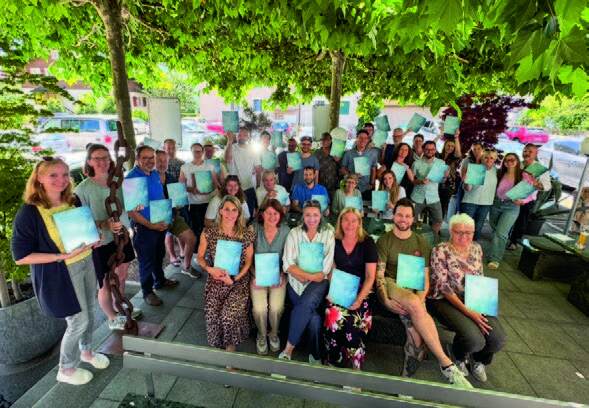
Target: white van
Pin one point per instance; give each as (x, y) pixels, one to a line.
(83, 129)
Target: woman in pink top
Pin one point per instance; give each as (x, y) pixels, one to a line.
(504, 211)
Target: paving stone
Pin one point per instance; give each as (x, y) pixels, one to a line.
(580, 333)
(553, 378)
(318, 404)
(133, 381)
(504, 281)
(102, 403)
(503, 375)
(542, 307)
(582, 367)
(248, 398)
(174, 322)
(548, 339)
(563, 287)
(566, 307)
(514, 341)
(526, 285)
(194, 297)
(383, 358)
(200, 393)
(194, 330)
(507, 307)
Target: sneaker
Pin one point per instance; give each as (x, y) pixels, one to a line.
(78, 377)
(413, 357)
(455, 377)
(262, 345)
(153, 300)
(274, 343)
(193, 273)
(478, 371)
(313, 360)
(99, 361)
(167, 284)
(283, 356)
(493, 265)
(511, 247)
(118, 323)
(462, 367)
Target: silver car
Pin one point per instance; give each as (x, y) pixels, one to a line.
(81, 130)
(565, 158)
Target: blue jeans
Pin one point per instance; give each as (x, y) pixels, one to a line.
(305, 315)
(150, 248)
(478, 213)
(502, 217)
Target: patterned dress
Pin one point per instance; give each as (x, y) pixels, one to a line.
(226, 307)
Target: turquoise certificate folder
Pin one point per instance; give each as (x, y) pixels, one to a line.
(481, 294)
(451, 125)
(416, 122)
(362, 166)
(76, 228)
(160, 211)
(379, 200)
(277, 140)
(520, 191)
(322, 200)
(154, 144)
(135, 193)
(536, 169)
(399, 171)
(228, 256)
(354, 202)
(267, 269)
(337, 148)
(230, 121)
(475, 174)
(311, 257)
(382, 123)
(282, 197)
(294, 161)
(268, 160)
(178, 195)
(437, 172)
(204, 181)
(379, 137)
(343, 288)
(216, 163)
(411, 272)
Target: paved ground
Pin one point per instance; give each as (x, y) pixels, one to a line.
(547, 352)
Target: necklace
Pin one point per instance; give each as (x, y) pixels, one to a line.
(462, 253)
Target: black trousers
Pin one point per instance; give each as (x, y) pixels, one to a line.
(521, 224)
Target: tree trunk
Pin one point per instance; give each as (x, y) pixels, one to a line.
(4, 296)
(110, 13)
(338, 60)
(16, 292)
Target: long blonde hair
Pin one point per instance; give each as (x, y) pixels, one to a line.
(240, 226)
(35, 194)
(339, 233)
(394, 191)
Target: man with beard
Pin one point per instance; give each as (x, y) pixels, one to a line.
(410, 304)
(542, 183)
(307, 160)
(243, 162)
(328, 171)
(284, 177)
(365, 182)
(304, 191)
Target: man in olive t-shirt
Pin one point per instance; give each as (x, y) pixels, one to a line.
(408, 304)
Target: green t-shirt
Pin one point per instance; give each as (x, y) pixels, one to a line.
(389, 247)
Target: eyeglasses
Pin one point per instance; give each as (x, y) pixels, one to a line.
(463, 233)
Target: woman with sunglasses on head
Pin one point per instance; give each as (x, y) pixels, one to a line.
(227, 297)
(345, 329)
(504, 211)
(307, 289)
(232, 187)
(478, 337)
(64, 283)
(388, 182)
(350, 189)
(92, 192)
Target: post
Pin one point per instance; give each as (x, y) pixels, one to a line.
(567, 226)
(338, 60)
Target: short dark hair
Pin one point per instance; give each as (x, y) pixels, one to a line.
(159, 151)
(307, 138)
(270, 203)
(369, 124)
(429, 142)
(141, 148)
(170, 140)
(419, 135)
(196, 144)
(309, 168)
(91, 148)
(404, 202)
(361, 131)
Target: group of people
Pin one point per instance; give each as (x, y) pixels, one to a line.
(249, 205)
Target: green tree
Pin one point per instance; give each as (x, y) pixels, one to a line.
(176, 84)
(559, 114)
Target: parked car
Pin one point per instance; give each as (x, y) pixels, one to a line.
(141, 127)
(80, 130)
(524, 134)
(565, 159)
(192, 132)
(51, 141)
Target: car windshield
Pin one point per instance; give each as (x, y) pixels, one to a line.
(567, 146)
(91, 125)
(111, 125)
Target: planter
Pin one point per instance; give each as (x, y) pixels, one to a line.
(25, 332)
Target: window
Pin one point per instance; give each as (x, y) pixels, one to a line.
(567, 147)
(71, 124)
(52, 124)
(111, 126)
(344, 108)
(257, 105)
(144, 101)
(35, 71)
(135, 101)
(91, 125)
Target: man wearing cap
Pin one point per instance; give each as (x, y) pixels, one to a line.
(307, 159)
(328, 165)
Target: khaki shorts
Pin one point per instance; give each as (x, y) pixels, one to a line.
(178, 226)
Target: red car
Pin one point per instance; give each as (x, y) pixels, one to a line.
(527, 135)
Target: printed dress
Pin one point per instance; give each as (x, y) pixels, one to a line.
(226, 307)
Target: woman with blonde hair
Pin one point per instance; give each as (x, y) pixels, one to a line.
(350, 189)
(388, 182)
(65, 283)
(345, 329)
(227, 297)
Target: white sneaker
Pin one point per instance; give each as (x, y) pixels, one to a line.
(118, 323)
(262, 345)
(455, 377)
(493, 265)
(478, 371)
(99, 361)
(313, 361)
(462, 367)
(78, 377)
(283, 356)
(274, 343)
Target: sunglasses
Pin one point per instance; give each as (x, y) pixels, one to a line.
(312, 204)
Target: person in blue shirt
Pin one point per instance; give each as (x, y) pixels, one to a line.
(349, 164)
(305, 191)
(149, 237)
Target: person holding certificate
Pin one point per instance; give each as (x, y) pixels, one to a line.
(271, 189)
(227, 296)
(408, 304)
(451, 154)
(64, 282)
(346, 328)
(478, 198)
(388, 183)
(308, 260)
(402, 159)
(232, 187)
(478, 337)
(343, 197)
(268, 301)
(328, 165)
(360, 161)
(504, 211)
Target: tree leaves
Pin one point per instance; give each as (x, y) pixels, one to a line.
(568, 13)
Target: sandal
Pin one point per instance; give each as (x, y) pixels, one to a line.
(175, 263)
